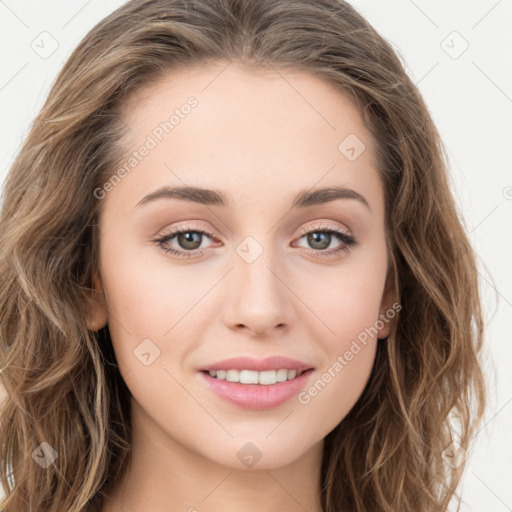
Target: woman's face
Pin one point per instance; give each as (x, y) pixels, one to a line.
(256, 286)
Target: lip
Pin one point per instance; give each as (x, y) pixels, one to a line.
(259, 365)
(257, 396)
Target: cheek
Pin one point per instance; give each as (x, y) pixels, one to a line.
(148, 296)
(338, 385)
(345, 300)
(154, 301)
(348, 305)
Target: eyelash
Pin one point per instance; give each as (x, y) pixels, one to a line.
(346, 239)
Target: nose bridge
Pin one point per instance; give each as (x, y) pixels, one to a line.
(258, 297)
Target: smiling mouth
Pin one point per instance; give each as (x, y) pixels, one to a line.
(264, 378)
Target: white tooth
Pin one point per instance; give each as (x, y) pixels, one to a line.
(233, 376)
(282, 375)
(268, 377)
(265, 378)
(292, 374)
(248, 377)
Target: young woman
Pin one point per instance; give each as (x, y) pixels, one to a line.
(233, 273)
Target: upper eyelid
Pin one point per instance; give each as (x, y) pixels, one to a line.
(318, 226)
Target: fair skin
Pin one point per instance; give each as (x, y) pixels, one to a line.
(260, 141)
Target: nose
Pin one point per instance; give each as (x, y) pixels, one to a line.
(258, 299)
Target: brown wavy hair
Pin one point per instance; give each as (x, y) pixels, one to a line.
(62, 383)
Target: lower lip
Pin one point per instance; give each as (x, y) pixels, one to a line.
(256, 396)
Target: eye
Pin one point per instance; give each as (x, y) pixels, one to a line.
(188, 237)
(320, 237)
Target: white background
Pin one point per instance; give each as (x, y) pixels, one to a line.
(470, 99)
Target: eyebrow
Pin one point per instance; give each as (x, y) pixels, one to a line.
(304, 199)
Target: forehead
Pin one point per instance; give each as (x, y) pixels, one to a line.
(252, 133)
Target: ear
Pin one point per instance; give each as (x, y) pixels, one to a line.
(388, 305)
(97, 309)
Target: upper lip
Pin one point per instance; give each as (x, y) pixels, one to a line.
(259, 365)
